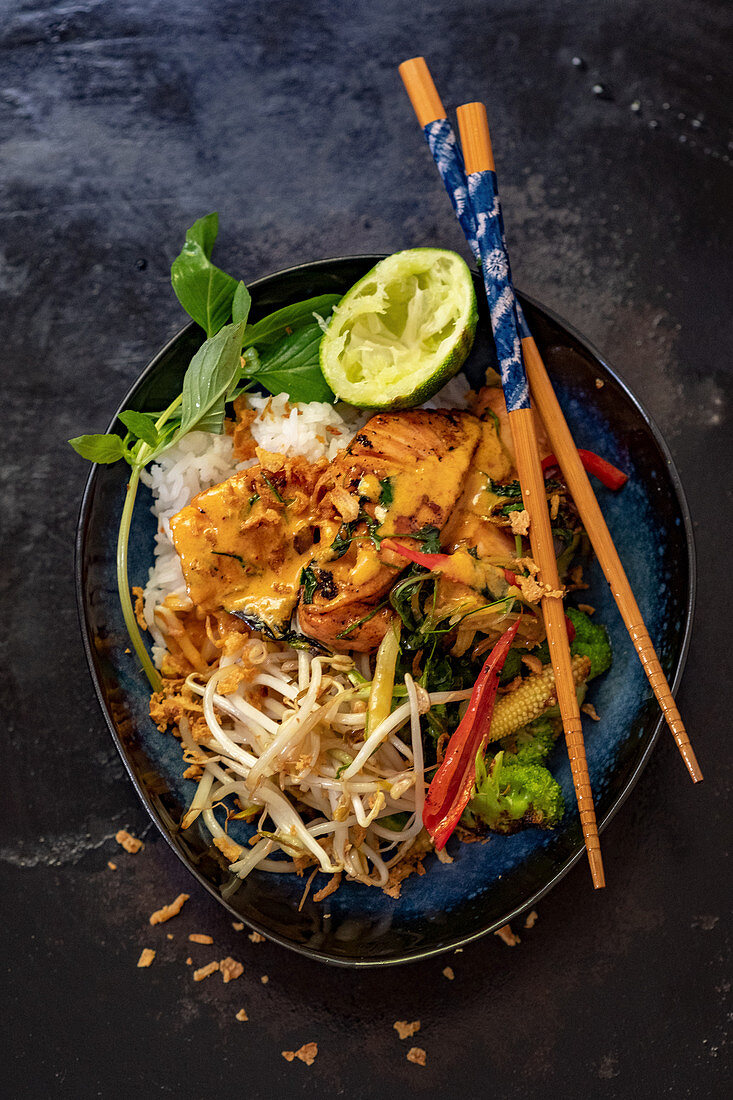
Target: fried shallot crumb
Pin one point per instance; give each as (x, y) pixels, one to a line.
(531, 919)
(590, 710)
(230, 969)
(519, 522)
(256, 937)
(600, 383)
(228, 847)
(130, 843)
(139, 607)
(586, 607)
(112, 866)
(534, 664)
(330, 888)
(416, 1055)
(189, 961)
(168, 911)
(405, 1030)
(169, 935)
(200, 937)
(448, 973)
(307, 1053)
(146, 957)
(264, 979)
(241, 1016)
(507, 935)
(204, 971)
(237, 925)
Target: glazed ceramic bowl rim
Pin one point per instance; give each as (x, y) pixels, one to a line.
(568, 863)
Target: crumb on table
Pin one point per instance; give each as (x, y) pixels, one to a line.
(129, 842)
(146, 957)
(230, 969)
(406, 1030)
(416, 1055)
(205, 971)
(168, 911)
(200, 937)
(307, 1053)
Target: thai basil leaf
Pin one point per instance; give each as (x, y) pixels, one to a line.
(276, 325)
(205, 292)
(291, 366)
(310, 583)
(387, 494)
(241, 303)
(98, 448)
(141, 426)
(344, 538)
(208, 379)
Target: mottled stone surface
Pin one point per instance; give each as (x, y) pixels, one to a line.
(120, 122)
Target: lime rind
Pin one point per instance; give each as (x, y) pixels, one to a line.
(403, 331)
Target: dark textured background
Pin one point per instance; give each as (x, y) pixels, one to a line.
(120, 123)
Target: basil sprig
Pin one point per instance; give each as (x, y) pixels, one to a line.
(280, 353)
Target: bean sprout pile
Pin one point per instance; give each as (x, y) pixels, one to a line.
(292, 743)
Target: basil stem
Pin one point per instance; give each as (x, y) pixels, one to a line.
(142, 457)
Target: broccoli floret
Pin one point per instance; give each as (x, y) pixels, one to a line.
(510, 796)
(532, 743)
(591, 640)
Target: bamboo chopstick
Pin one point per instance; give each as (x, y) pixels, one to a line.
(484, 200)
(431, 116)
(600, 537)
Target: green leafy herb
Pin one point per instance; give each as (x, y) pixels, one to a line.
(141, 425)
(253, 499)
(387, 494)
(289, 319)
(213, 370)
(429, 536)
(241, 303)
(99, 448)
(310, 583)
(205, 292)
(291, 366)
(344, 538)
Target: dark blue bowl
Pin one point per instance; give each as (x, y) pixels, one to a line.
(487, 884)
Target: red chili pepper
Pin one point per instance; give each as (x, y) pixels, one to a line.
(510, 577)
(430, 561)
(607, 474)
(570, 629)
(450, 790)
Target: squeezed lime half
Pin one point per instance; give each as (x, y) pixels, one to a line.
(402, 331)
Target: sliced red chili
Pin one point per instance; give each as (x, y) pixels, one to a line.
(450, 791)
(570, 629)
(429, 561)
(607, 474)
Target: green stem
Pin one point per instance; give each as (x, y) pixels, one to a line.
(123, 538)
(123, 583)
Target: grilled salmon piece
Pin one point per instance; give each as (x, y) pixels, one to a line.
(401, 475)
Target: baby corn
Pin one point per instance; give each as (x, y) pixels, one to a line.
(531, 699)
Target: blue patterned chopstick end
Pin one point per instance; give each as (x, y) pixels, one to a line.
(484, 199)
(449, 162)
